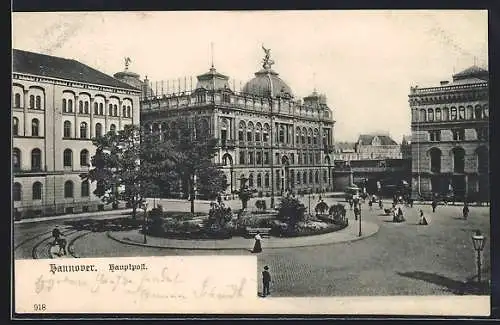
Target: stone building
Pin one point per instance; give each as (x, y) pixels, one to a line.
(58, 106)
(377, 146)
(265, 134)
(450, 127)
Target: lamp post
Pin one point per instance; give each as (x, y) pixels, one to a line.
(145, 206)
(359, 235)
(478, 240)
(309, 199)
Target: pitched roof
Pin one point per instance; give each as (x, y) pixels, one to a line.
(385, 140)
(343, 146)
(61, 68)
(472, 72)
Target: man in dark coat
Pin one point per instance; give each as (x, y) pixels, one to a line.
(434, 205)
(266, 280)
(56, 233)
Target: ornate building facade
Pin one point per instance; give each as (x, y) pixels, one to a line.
(450, 130)
(265, 134)
(58, 106)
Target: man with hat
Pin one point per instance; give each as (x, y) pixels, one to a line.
(266, 280)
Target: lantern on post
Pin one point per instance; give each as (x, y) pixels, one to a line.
(478, 240)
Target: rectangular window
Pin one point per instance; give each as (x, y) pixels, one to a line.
(292, 158)
(240, 136)
(266, 158)
(458, 135)
(435, 135)
(258, 158)
(250, 158)
(242, 158)
(277, 158)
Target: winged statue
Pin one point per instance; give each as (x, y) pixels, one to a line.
(267, 61)
(127, 62)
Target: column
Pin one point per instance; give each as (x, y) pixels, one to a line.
(120, 112)
(106, 114)
(216, 124)
(25, 110)
(466, 185)
(75, 107)
(91, 129)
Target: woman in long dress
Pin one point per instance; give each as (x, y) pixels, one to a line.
(257, 247)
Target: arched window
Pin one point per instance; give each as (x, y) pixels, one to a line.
(68, 189)
(67, 129)
(461, 113)
(17, 192)
(38, 103)
(101, 109)
(258, 128)
(37, 191)
(438, 114)
(32, 101)
(15, 126)
(446, 114)
(486, 113)
(85, 189)
(87, 107)
(316, 177)
(250, 180)
(17, 100)
(266, 180)
(435, 155)
(84, 157)
(315, 137)
(129, 111)
(325, 177)
(430, 114)
(115, 110)
(458, 160)
(265, 133)
(110, 109)
(98, 130)
(35, 126)
(64, 105)
(483, 162)
(310, 177)
(281, 137)
(83, 130)
(423, 115)
(112, 128)
(278, 180)
(453, 113)
(80, 107)
(36, 159)
(124, 111)
(16, 158)
(96, 109)
(242, 157)
(67, 158)
(259, 180)
(241, 131)
(297, 136)
(309, 136)
(227, 160)
(250, 132)
(298, 178)
(292, 179)
(70, 105)
(304, 178)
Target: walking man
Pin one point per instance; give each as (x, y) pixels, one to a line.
(266, 280)
(465, 210)
(434, 205)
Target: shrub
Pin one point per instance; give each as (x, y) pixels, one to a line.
(321, 207)
(218, 216)
(260, 194)
(291, 211)
(261, 205)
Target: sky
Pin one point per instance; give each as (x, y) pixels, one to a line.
(363, 61)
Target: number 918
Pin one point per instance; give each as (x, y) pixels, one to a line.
(39, 307)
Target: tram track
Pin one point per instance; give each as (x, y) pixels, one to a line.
(46, 239)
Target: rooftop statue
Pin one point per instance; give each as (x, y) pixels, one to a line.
(127, 62)
(267, 61)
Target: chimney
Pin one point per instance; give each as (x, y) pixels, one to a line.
(444, 82)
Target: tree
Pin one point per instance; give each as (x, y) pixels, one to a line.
(244, 193)
(118, 171)
(291, 211)
(189, 152)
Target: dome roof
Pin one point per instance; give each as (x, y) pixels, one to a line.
(267, 83)
(129, 78)
(472, 72)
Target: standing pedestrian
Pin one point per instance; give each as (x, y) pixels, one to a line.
(257, 247)
(423, 220)
(351, 202)
(266, 280)
(465, 210)
(356, 211)
(380, 204)
(370, 203)
(434, 205)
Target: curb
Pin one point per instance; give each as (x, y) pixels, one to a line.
(75, 216)
(127, 242)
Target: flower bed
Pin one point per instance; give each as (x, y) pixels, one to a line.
(115, 224)
(307, 228)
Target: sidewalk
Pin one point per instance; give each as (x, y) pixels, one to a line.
(76, 215)
(348, 234)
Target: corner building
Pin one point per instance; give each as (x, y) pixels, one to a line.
(450, 128)
(277, 142)
(58, 106)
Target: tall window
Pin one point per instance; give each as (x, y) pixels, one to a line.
(115, 110)
(112, 128)
(98, 130)
(15, 126)
(70, 105)
(17, 100)
(80, 107)
(83, 130)
(458, 135)
(265, 133)
(38, 103)
(129, 111)
(423, 115)
(110, 109)
(64, 105)
(32, 101)
(258, 158)
(242, 158)
(67, 129)
(85, 189)
(37, 191)
(461, 113)
(16, 158)
(266, 158)
(68, 189)
(453, 113)
(310, 177)
(16, 192)
(430, 114)
(282, 134)
(304, 178)
(435, 154)
(438, 114)
(470, 112)
(250, 180)
(35, 125)
(478, 112)
(325, 176)
(435, 135)
(36, 159)
(259, 180)
(101, 109)
(266, 180)
(124, 111)
(316, 177)
(84, 158)
(86, 111)
(67, 158)
(241, 130)
(458, 160)
(250, 158)
(96, 109)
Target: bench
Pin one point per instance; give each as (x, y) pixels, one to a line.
(264, 232)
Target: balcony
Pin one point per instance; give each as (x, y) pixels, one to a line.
(18, 170)
(227, 144)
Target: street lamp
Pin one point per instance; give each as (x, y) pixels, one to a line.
(145, 206)
(478, 240)
(359, 235)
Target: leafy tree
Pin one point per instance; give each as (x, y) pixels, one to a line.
(244, 193)
(321, 207)
(291, 211)
(219, 215)
(118, 171)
